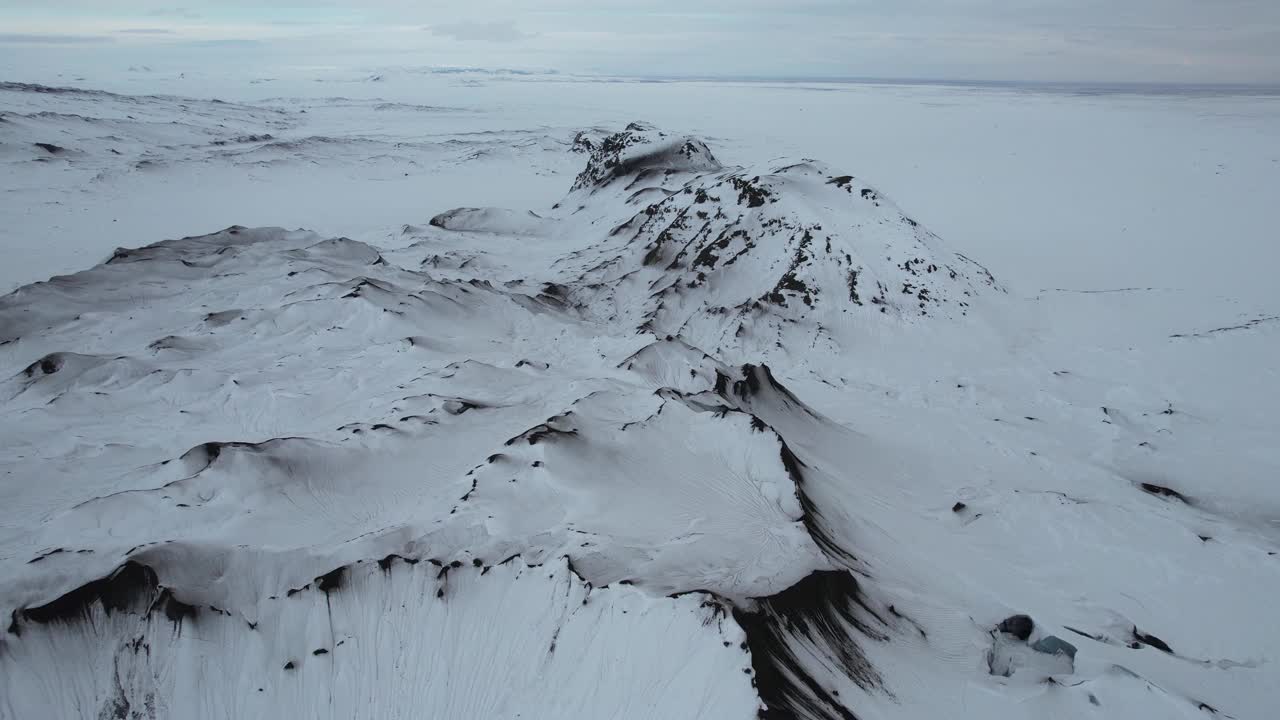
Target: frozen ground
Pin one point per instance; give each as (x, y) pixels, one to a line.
(1076, 190)
(542, 417)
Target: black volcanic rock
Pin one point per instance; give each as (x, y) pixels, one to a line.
(1019, 626)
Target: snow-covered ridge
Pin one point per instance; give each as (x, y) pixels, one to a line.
(629, 456)
(638, 151)
(660, 236)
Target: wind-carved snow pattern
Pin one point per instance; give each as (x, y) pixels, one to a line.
(640, 455)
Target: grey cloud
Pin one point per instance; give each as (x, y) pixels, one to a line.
(52, 39)
(145, 31)
(180, 12)
(497, 31)
(228, 43)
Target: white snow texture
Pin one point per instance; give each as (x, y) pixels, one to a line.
(701, 440)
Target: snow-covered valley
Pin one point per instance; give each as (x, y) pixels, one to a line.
(555, 413)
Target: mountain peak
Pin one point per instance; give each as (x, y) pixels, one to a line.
(751, 258)
(641, 149)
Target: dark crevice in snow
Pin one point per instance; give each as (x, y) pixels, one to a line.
(1082, 633)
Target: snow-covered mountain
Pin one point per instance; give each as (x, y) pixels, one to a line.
(700, 441)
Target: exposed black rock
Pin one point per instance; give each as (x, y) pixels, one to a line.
(130, 588)
(1207, 333)
(750, 192)
(458, 406)
(243, 139)
(331, 580)
(38, 558)
(175, 609)
(722, 384)
(583, 143)
(47, 365)
(639, 150)
(1141, 638)
(50, 148)
(1019, 626)
(826, 610)
(811, 516)
(553, 429)
(385, 563)
(755, 379)
(1164, 492)
(958, 507)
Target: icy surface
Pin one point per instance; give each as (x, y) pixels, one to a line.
(642, 429)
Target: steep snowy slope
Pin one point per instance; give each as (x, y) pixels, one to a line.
(391, 639)
(699, 441)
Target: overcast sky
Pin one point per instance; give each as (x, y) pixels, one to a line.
(1194, 41)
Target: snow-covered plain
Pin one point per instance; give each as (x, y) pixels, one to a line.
(549, 414)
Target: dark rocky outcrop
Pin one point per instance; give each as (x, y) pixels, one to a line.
(1019, 626)
(826, 611)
